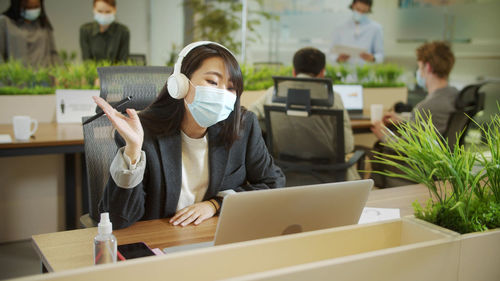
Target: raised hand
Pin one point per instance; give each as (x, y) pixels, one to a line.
(343, 58)
(367, 57)
(129, 128)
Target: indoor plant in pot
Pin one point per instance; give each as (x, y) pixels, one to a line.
(464, 187)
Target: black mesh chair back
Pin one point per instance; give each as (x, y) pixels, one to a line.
(467, 105)
(310, 147)
(320, 89)
(143, 83)
(100, 149)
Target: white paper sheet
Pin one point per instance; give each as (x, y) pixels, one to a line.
(378, 214)
(5, 138)
(348, 50)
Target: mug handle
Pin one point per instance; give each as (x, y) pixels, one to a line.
(35, 122)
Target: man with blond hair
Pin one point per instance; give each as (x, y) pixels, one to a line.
(435, 62)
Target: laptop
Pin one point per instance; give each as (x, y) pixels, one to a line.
(274, 212)
(352, 98)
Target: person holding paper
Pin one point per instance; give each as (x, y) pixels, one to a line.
(192, 146)
(360, 39)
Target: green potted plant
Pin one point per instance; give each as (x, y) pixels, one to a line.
(18, 79)
(463, 183)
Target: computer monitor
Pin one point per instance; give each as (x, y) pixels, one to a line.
(273, 212)
(352, 97)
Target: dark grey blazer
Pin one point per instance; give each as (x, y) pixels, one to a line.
(247, 165)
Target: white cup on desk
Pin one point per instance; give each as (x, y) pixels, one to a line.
(22, 127)
(376, 112)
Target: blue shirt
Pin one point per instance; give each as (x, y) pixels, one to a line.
(367, 35)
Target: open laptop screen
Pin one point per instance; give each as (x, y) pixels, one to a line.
(352, 96)
(273, 212)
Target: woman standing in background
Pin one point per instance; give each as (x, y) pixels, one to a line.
(26, 34)
(104, 38)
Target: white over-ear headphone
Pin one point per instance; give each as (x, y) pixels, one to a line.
(178, 83)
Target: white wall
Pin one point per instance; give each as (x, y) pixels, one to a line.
(167, 28)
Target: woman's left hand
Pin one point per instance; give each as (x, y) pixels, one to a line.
(196, 213)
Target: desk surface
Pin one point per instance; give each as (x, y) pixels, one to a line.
(73, 249)
(48, 134)
(361, 124)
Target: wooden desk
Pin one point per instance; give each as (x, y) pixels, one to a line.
(53, 138)
(361, 126)
(73, 249)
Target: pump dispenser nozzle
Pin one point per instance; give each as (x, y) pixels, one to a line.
(105, 226)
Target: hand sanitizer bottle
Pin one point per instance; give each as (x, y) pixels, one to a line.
(104, 242)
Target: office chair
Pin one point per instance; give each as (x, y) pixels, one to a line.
(305, 137)
(467, 105)
(489, 100)
(100, 149)
(143, 83)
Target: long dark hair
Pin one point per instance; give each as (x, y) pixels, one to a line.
(15, 9)
(165, 114)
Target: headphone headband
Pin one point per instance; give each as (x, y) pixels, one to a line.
(189, 48)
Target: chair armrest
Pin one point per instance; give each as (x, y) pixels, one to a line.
(356, 157)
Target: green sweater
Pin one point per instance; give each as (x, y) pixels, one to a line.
(112, 44)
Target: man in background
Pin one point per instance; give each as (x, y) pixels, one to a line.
(310, 63)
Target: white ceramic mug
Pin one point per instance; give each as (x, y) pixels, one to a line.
(376, 112)
(22, 127)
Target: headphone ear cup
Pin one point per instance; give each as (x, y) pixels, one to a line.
(178, 86)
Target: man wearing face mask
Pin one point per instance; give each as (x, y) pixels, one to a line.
(360, 32)
(104, 38)
(435, 61)
(26, 34)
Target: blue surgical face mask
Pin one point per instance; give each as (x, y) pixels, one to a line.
(104, 19)
(359, 17)
(211, 105)
(31, 14)
(420, 80)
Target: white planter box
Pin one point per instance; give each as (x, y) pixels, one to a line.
(40, 107)
(248, 98)
(385, 96)
(72, 105)
(403, 249)
(480, 256)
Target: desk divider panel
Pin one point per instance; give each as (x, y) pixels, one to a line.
(402, 249)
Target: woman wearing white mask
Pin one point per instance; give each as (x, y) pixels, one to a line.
(190, 147)
(104, 38)
(360, 32)
(26, 34)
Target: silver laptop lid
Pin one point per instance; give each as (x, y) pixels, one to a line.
(352, 96)
(273, 212)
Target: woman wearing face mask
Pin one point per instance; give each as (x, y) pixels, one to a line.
(104, 38)
(26, 34)
(190, 147)
(360, 32)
